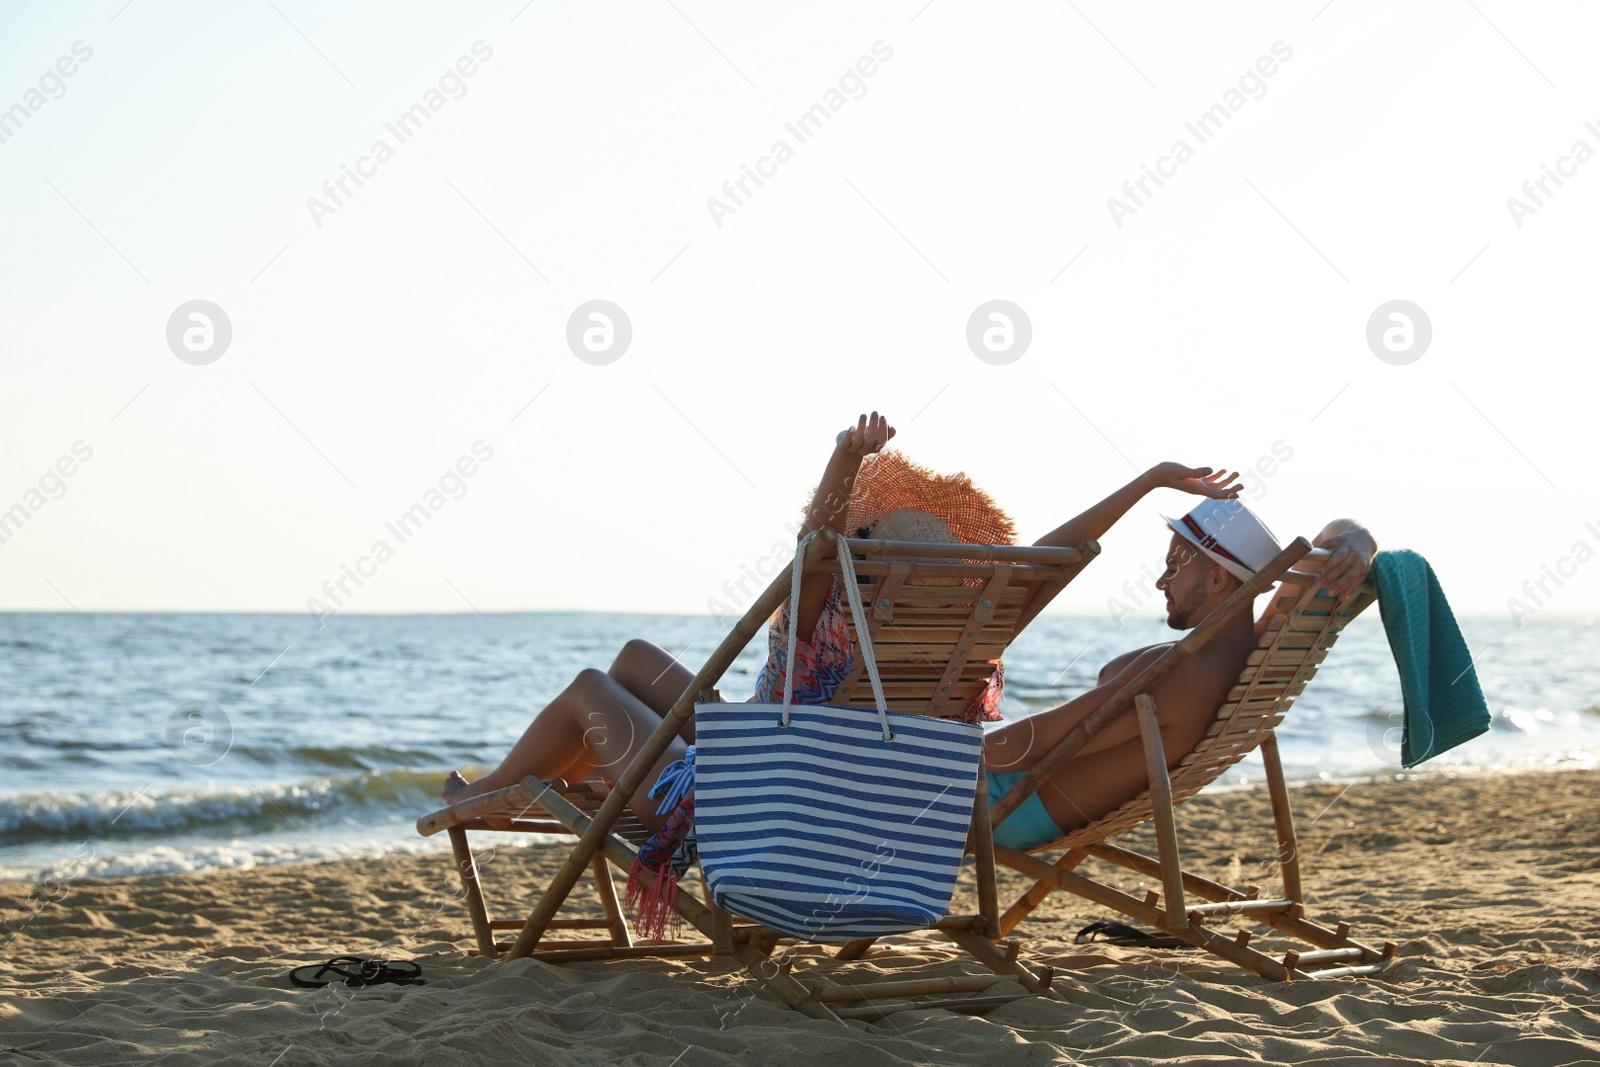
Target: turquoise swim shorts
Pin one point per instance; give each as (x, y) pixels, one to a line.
(1030, 825)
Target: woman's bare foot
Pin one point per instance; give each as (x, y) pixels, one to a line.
(457, 788)
(454, 783)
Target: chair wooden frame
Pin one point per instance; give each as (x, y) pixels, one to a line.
(1294, 643)
(934, 645)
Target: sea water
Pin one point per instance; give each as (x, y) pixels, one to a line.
(137, 743)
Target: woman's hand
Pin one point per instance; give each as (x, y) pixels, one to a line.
(1201, 481)
(865, 437)
(831, 504)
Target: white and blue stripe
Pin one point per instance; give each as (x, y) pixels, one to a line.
(824, 830)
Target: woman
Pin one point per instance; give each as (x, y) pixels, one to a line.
(593, 728)
(595, 725)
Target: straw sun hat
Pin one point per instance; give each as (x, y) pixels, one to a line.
(889, 482)
(894, 499)
(914, 524)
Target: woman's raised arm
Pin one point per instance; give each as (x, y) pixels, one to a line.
(832, 501)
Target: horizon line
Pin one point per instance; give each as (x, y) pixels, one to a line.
(1587, 618)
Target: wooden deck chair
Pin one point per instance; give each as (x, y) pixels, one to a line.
(933, 643)
(1295, 642)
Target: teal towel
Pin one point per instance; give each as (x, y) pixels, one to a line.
(1444, 704)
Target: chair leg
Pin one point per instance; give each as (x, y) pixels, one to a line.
(1161, 811)
(1146, 912)
(854, 950)
(1035, 895)
(1283, 817)
(614, 850)
(776, 977)
(1002, 961)
(721, 931)
(1150, 867)
(983, 852)
(1291, 922)
(606, 889)
(467, 867)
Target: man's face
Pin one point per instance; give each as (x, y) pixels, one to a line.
(1184, 583)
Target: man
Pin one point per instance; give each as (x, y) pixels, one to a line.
(1214, 549)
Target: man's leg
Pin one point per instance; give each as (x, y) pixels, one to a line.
(1076, 793)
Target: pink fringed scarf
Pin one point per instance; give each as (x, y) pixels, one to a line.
(652, 898)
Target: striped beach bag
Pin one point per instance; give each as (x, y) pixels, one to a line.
(832, 823)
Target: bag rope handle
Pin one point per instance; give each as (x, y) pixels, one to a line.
(857, 613)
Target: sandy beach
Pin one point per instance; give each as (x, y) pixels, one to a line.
(1490, 885)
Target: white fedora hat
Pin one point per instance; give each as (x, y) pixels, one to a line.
(1230, 534)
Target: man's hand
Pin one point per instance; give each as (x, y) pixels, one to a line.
(1201, 481)
(865, 437)
(1353, 547)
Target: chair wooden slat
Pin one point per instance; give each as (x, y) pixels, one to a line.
(514, 814)
(936, 654)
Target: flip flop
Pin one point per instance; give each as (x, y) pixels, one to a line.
(357, 971)
(1115, 933)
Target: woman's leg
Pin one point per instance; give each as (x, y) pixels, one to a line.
(593, 729)
(655, 676)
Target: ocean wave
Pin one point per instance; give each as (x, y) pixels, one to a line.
(365, 757)
(45, 738)
(1522, 720)
(237, 855)
(47, 815)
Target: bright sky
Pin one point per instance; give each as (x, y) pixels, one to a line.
(1368, 156)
